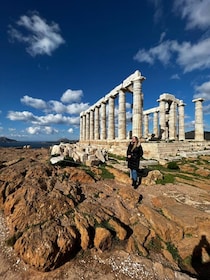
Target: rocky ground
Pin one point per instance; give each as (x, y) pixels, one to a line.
(158, 231)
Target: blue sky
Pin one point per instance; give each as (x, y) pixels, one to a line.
(60, 57)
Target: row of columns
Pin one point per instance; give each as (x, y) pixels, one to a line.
(170, 114)
(93, 122)
(168, 117)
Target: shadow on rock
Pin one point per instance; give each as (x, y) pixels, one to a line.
(201, 259)
(143, 172)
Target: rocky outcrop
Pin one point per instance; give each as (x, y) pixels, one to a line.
(88, 155)
(53, 213)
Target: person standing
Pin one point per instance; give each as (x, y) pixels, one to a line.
(134, 153)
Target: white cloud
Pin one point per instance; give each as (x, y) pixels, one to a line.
(70, 96)
(57, 106)
(175, 77)
(21, 116)
(162, 36)
(41, 130)
(194, 57)
(161, 52)
(42, 120)
(196, 13)
(128, 105)
(40, 37)
(206, 109)
(70, 130)
(203, 91)
(190, 57)
(52, 113)
(158, 9)
(34, 102)
(56, 119)
(77, 108)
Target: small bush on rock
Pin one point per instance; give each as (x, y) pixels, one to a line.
(173, 165)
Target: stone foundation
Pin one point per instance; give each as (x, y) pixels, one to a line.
(156, 150)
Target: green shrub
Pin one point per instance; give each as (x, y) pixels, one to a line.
(155, 244)
(173, 251)
(117, 157)
(173, 165)
(105, 173)
(167, 178)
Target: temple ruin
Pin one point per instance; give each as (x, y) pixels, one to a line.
(106, 122)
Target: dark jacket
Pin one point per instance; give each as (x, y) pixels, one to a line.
(136, 154)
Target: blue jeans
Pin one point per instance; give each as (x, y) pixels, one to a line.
(133, 174)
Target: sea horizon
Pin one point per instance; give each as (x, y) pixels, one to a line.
(32, 144)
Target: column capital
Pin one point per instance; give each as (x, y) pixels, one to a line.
(140, 78)
(198, 99)
(181, 103)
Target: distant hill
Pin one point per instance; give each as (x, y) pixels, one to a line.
(66, 140)
(6, 140)
(191, 135)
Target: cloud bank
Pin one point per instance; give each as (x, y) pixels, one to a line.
(51, 112)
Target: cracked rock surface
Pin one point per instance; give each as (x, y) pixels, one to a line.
(66, 223)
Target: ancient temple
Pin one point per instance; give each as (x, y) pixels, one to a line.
(106, 121)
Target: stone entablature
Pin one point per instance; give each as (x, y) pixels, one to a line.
(105, 121)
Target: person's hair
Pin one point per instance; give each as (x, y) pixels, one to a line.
(135, 144)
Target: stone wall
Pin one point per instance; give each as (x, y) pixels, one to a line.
(163, 150)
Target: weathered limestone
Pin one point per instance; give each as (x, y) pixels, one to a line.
(111, 130)
(169, 118)
(53, 213)
(96, 123)
(162, 119)
(146, 126)
(172, 121)
(155, 123)
(81, 127)
(88, 126)
(199, 132)
(181, 120)
(90, 155)
(137, 107)
(91, 124)
(84, 126)
(122, 116)
(103, 120)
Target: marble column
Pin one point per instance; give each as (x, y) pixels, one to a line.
(172, 121)
(111, 122)
(146, 125)
(162, 117)
(137, 108)
(155, 124)
(103, 120)
(199, 131)
(81, 126)
(88, 126)
(91, 124)
(84, 126)
(96, 124)
(122, 116)
(181, 121)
